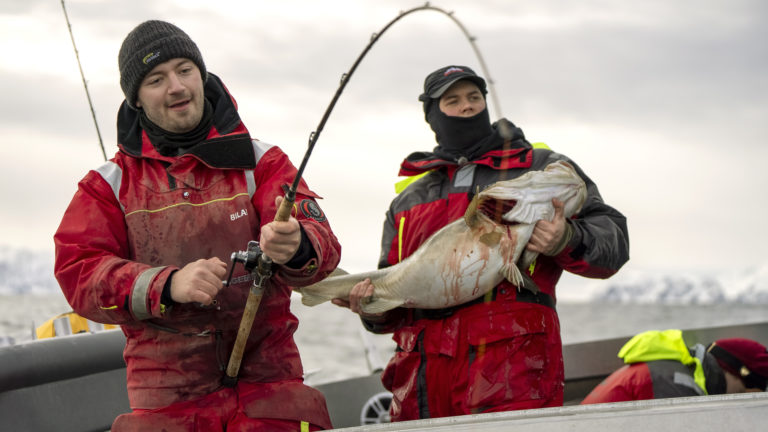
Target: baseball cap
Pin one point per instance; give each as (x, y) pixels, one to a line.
(440, 80)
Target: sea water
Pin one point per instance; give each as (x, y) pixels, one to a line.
(333, 345)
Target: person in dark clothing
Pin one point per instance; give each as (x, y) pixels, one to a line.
(659, 365)
(502, 351)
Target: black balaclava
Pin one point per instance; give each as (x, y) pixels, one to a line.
(457, 137)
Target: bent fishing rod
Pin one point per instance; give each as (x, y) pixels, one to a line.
(259, 264)
(291, 194)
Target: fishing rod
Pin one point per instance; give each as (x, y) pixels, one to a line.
(259, 264)
(345, 79)
(85, 83)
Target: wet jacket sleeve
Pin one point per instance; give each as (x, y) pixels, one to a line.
(599, 246)
(93, 265)
(272, 172)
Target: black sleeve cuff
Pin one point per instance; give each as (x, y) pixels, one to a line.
(165, 297)
(305, 252)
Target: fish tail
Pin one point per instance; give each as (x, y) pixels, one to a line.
(311, 298)
(380, 305)
(333, 287)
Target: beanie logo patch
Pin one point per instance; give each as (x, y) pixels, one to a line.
(149, 57)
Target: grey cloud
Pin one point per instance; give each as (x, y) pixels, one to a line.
(675, 73)
(652, 63)
(39, 102)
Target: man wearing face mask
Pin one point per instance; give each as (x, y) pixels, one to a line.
(502, 351)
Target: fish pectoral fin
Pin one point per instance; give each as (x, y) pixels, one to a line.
(375, 305)
(512, 274)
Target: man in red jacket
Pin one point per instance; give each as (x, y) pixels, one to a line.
(145, 240)
(503, 351)
(662, 367)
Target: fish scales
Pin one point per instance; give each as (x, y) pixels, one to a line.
(471, 255)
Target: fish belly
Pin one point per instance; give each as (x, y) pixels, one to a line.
(455, 266)
(470, 256)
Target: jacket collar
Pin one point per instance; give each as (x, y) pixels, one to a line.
(515, 152)
(520, 155)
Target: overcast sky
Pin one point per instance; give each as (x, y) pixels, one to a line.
(663, 103)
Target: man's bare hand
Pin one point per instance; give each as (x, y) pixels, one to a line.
(547, 237)
(360, 291)
(198, 281)
(280, 239)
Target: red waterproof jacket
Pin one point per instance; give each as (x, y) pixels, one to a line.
(142, 216)
(659, 365)
(656, 380)
(505, 352)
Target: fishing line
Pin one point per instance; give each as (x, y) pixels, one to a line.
(504, 130)
(290, 195)
(262, 271)
(85, 83)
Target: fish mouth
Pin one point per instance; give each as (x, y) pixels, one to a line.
(494, 209)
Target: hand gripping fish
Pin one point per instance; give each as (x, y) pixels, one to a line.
(470, 256)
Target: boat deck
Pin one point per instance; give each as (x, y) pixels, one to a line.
(735, 412)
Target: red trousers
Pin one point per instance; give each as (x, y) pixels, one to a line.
(237, 409)
(479, 360)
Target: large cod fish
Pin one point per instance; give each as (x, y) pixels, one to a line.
(470, 256)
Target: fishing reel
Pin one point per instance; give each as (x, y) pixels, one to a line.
(254, 261)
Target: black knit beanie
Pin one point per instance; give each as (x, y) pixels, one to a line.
(146, 46)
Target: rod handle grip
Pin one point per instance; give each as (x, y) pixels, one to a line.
(284, 211)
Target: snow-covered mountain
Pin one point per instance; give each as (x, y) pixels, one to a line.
(747, 286)
(24, 271)
(31, 272)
